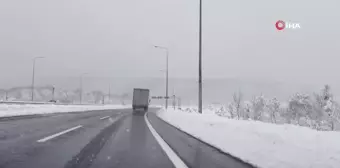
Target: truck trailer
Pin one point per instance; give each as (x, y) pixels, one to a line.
(140, 99)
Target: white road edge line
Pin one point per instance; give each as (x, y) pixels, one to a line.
(171, 154)
(58, 134)
(104, 117)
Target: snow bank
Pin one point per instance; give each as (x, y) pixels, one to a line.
(7, 110)
(262, 144)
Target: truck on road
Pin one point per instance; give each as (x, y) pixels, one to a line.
(140, 99)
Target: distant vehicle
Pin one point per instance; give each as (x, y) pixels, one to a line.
(140, 99)
(52, 101)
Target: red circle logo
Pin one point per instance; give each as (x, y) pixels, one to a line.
(280, 25)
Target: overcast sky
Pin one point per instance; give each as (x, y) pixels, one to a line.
(115, 38)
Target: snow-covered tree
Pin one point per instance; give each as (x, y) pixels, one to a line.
(330, 108)
(325, 109)
(258, 105)
(273, 108)
(247, 110)
(300, 105)
(237, 98)
(231, 109)
(326, 95)
(222, 112)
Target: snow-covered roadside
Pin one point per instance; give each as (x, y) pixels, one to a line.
(263, 144)
(7, 110)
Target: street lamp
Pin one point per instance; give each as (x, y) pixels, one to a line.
(167, 74)
(81, 87)
(200, 60)
(35, 58)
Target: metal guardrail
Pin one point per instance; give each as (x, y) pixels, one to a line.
(24, 102)
(46, 103)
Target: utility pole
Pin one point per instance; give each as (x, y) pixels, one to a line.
(200, 61)
(167, 79)
(167, 75)
(33, 74)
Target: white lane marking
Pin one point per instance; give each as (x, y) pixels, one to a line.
(104, 117)
(171, 154)
(58, 134)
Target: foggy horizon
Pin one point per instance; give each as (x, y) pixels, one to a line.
(111, 39)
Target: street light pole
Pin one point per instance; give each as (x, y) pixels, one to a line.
(167, 75)
(200, 61)
(33, 74)
(167, 79)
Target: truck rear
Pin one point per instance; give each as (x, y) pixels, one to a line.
(140, 99)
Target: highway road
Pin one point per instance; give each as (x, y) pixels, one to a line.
(102, 139)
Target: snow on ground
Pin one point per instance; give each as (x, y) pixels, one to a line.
(262, 144)
(7, 110)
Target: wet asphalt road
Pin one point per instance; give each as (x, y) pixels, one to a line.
(100, 139)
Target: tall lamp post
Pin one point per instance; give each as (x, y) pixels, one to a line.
(81, 87)
(200, 60)
(33, 74)
(167, 74)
